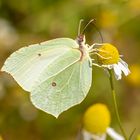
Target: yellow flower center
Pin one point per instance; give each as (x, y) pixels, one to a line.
(97, 119)
(108, 54)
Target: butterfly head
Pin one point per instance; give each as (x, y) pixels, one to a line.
(80, 39)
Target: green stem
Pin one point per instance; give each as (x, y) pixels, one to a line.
(115, 105)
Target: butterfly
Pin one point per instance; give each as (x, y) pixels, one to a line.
(57, 73)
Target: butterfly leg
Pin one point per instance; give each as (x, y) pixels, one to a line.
(97, 50)
(90, 62)
(95, 44)
(95, 53)
(93, 64)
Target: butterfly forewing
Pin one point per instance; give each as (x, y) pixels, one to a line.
(29, 63)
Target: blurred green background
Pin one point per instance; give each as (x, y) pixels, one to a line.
(25, 22)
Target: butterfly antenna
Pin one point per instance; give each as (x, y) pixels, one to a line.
(98, 32)
(87, 25)
(79, 27)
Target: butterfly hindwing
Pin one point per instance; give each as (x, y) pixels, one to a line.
(63, 90)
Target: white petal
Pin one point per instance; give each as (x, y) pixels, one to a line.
(86, 135)
(123, 62)
(114, 135)
(117, 71)
(124, 67)
(89, 136)
(101, 137)
(108, 66)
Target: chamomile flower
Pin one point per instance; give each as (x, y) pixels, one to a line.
(96, 122)
(108, 57)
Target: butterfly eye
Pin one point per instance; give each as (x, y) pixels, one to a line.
(80, 38)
